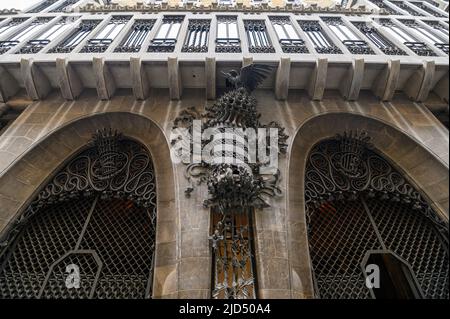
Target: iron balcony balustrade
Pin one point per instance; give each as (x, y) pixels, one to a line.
(379, 40)
(353, 43)
(76, 37)
(288, 38)
(257, 37)
(321, 41)
(415, 45)
(105, 37)
(427, 9)
(139, 32)
(197, 36)
(36, 45)
(166, 38)
(439, 42)
(22, 34)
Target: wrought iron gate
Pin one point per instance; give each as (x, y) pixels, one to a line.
(356, 203)
(90, 233)
(234, 275)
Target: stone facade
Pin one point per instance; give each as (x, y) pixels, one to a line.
(63, 98)
(48, 132)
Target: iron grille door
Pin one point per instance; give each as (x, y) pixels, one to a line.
(97, 215)
(234, 275)
(357, 204)
(407, 233)
(112, 246)
(340, 235)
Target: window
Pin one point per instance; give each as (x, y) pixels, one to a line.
(379, 40)
(41, 40)
(227, 35)
(257, 37)
(133, 41)
(258, 2)
(418, 47)
(428, 9)
(42, 6)
(321, 41)
(64, 5)
(11, 24)
(402, 5)
(438, 26)
(353, 43)
(76, 37)
(422, 32)
(166, 38)
(23, 34)
(106, 36)
(226, 2)
(197, 37)
(382, 5)
(288, 38)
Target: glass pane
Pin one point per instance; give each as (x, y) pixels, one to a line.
(232, 29)
(221, 30)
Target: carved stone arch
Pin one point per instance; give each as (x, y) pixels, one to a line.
(52, 152)
(426, 172)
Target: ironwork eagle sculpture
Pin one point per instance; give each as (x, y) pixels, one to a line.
(249, 77)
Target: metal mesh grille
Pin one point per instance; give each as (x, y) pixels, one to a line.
(368, 206)
(118, 231)
(47, 237)
(55, 286)
(412, 237)
(121, 234)
(103, 224)
(340, 235)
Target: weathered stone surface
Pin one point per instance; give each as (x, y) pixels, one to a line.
(50, 131)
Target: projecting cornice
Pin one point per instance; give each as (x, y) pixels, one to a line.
(140, 75)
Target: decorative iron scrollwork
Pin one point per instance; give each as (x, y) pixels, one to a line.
(346, 166)
(99, 214)
(112, 166)
(234, 189)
